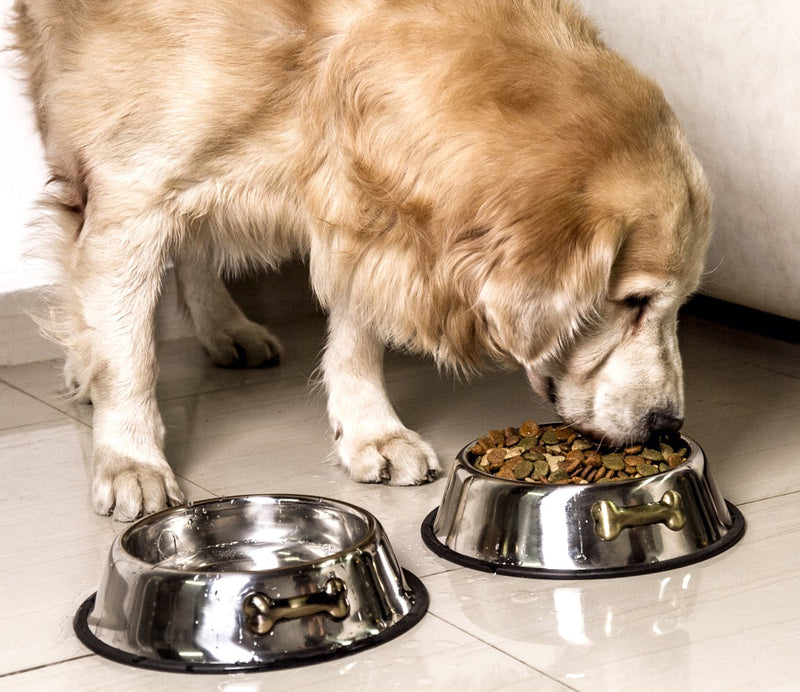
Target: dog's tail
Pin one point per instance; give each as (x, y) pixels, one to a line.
(38, 31)
(54, 232)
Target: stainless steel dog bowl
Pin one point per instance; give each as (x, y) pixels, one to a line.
(626, 527)
(249, 583)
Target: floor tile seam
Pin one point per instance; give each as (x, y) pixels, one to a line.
(162, 399)
(233, 387)
(443, 570)
(211, 493)
(771, 369)
(717, 419)
(53, 361)
(788, 493)
(19, 389)
(500, 650)
(31, 669)
(712, 397)
(719, 461)
(719, 367)
(216, 495)
(39, 400)
(28, 426)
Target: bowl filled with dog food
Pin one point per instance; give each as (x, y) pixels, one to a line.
(545, 501)
(249, 583)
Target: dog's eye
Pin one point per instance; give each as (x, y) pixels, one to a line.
(638, 304)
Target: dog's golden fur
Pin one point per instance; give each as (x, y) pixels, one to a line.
(480, 181)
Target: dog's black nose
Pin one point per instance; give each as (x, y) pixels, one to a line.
(662, 421)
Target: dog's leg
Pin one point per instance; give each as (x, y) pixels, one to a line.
(372, 443)
(115, 277)
(221, 327)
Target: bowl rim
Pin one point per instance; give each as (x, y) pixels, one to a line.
(695, 452)
(371, 534)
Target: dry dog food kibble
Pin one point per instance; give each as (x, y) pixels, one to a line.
(557, 454)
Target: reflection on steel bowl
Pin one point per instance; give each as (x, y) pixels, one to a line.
(656, 522)
(249, 583)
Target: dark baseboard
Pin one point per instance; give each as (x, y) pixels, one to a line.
(744, 318)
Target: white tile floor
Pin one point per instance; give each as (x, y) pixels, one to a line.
(730, 623)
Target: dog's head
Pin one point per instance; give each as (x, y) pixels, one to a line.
(542, 206)
(591, 310)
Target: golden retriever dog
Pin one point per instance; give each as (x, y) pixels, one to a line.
(484, 181)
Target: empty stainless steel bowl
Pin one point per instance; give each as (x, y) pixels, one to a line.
(249, 583)
(625, 527)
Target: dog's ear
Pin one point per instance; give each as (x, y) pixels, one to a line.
(530, 288)
(602, 254)
(585, 269)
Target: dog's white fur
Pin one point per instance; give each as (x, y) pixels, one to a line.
(479, 181)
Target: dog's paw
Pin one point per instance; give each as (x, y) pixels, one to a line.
(130, 488)
(397, 458)
(244, 344)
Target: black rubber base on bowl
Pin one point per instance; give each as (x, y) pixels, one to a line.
(420, 601)
(732, 536)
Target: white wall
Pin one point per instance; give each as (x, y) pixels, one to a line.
(732, 73)
(22, 174)
(731, 70)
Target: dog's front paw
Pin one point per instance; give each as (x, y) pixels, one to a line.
(400, 457)
(131, 488)
(243, 344)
